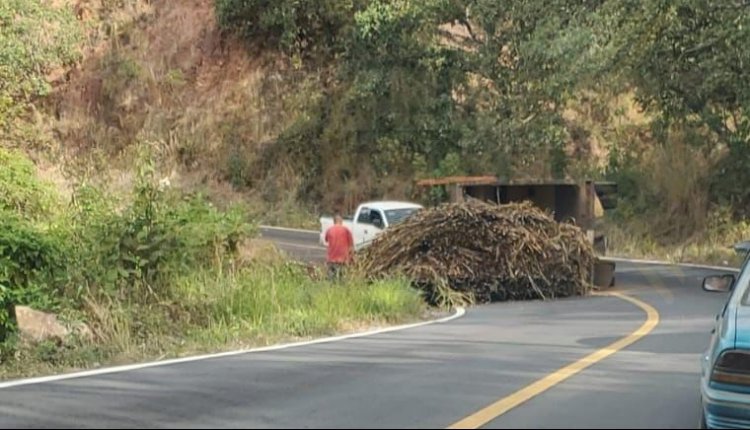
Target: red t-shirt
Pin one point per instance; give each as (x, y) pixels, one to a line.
(340, 243)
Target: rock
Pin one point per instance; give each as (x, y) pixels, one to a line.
(40, 326)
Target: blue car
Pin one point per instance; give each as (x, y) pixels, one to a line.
(725, 375)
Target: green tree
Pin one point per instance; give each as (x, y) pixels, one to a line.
(299, 26)
(687, 61)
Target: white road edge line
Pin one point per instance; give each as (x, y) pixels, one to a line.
(459, 312)
(667, 263)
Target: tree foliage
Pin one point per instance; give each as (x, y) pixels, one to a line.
(296, 26)
(687, 62)
(479, 86)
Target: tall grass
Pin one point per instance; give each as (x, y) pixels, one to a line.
(213, 310)
(713, 245)
(264, 303)
(667, 210)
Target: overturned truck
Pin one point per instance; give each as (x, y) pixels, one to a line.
(582, 203)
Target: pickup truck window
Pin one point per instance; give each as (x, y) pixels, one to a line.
(364, 216)
(376, 218)
(395, 216)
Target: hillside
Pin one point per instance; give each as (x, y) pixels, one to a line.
(129, 138)
(314, 107)
(160, 73)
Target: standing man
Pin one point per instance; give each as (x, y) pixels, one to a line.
(340, 246)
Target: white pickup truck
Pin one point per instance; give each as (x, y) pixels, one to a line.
(370, 220)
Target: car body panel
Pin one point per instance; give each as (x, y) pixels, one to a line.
(728, 405)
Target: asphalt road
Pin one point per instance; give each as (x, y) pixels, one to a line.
(426, 377)
(299, 244)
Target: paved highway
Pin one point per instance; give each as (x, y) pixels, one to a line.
(299, 244)
(432, 376)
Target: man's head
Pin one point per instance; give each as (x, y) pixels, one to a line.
(338, 219)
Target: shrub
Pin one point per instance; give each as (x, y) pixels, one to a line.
(136, 251)
(293, 25)
(21, 191)
(31, 263)
(36, 37)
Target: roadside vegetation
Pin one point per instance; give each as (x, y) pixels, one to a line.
(159, 273)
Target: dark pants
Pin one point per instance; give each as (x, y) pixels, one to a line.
(334, 271)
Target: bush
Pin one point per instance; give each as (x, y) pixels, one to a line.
(31, 258)
(21, 191)
(293, 25)
(663, 188)
(100, 245)
(36, 37)
(135, 252)
(729, 179)
(31, 263)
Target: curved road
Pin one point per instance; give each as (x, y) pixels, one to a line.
(427, 377)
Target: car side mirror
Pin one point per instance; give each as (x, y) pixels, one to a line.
(719, 283)
(377, 222)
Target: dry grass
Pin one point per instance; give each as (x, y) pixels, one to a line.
(673, 219)
(631, 242)
(598, 122)
(159, 72)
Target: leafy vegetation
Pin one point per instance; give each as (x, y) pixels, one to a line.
(36, 39)
(22, 192)
(486, 87)
(30, 259)
(29, 265)
(300, 26)
(161, 271)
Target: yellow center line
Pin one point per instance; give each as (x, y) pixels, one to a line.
(502, 406)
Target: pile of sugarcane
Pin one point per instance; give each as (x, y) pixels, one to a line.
(488, 252)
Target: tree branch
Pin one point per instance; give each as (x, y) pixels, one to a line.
(701, 47)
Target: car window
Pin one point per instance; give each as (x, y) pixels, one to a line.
(743, 279)
(395, 216)
(376, 218)
(364, 216)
